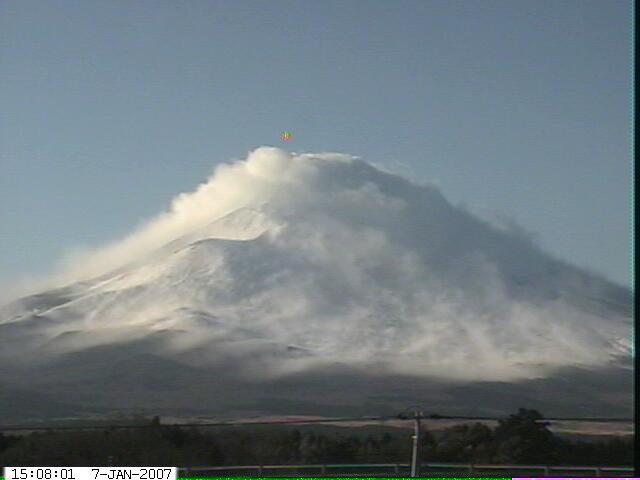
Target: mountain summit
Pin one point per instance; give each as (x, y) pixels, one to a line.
(281, 266)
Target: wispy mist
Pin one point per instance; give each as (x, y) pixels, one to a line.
(287, 262)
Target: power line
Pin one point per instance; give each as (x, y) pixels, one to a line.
(228, 423)
(244, 423)
(546, 419)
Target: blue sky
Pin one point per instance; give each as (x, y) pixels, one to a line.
(514, 108)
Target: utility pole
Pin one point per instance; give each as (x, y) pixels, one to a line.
(415, 465)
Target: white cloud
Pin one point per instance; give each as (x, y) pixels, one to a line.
(348, 263)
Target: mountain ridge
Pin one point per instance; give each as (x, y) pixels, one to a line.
(283, 265)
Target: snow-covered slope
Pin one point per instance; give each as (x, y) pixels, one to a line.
(291, 263)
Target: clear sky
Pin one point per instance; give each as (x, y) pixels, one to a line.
(514, 108)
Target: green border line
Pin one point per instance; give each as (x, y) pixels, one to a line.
(346, 476)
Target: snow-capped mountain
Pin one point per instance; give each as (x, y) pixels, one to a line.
(283, 266)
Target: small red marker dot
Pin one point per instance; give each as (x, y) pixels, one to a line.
(286, 136)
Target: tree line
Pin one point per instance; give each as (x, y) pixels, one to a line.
(520, 438)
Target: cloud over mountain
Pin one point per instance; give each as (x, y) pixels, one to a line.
(289, 262)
